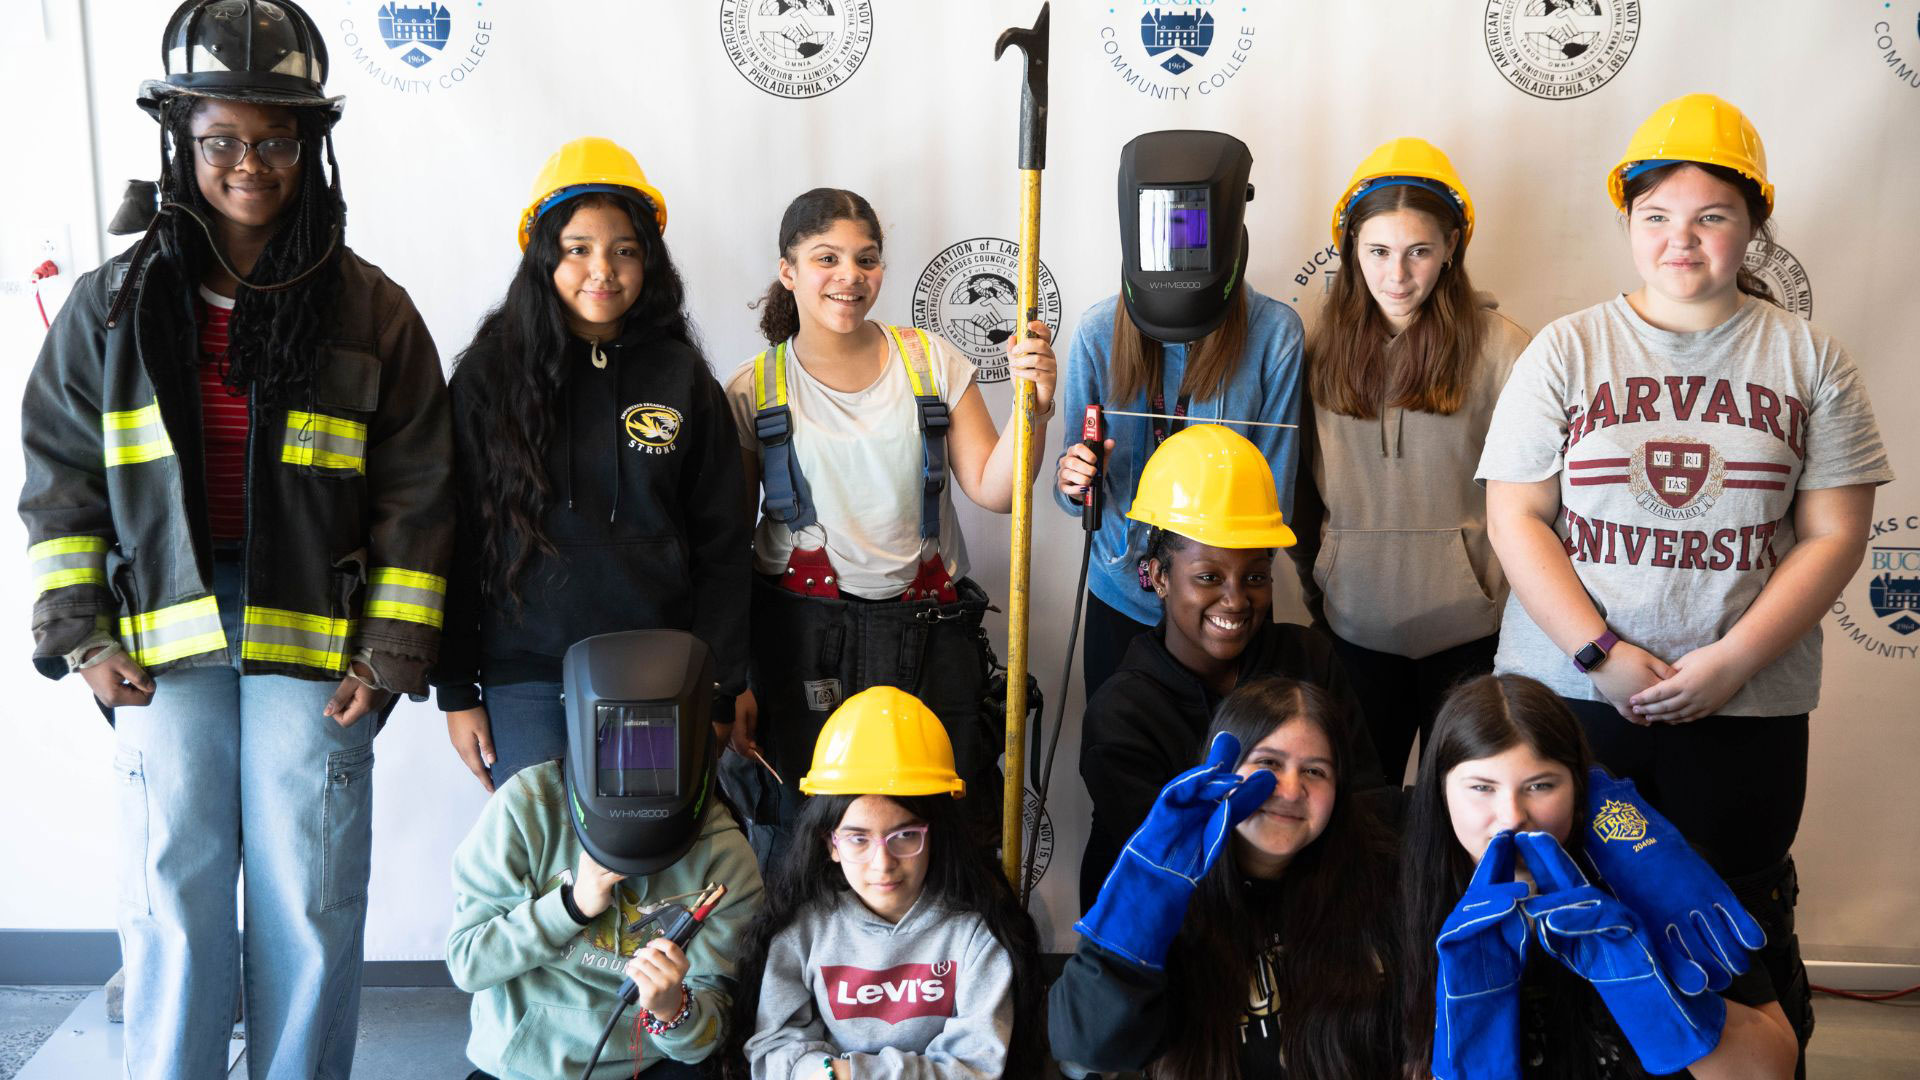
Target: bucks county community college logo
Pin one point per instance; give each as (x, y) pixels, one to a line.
(650, 428)
(1558, 49)
(1783, 274)
(416, 48)
(1889, 583)
(796, 48)
(1900, 53)
(968, 296)
(1173, 51)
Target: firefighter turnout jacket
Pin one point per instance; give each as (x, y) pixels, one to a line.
(349, 499)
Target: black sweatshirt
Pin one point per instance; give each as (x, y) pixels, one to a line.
(1145, 724)
(647, 515)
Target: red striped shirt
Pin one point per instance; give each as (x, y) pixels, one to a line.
(223, 417)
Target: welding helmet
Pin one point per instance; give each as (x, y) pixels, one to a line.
(640, 746)
(1183, 234)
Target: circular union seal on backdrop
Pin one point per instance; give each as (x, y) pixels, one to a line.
(1559, 49)
(1783, 274)
(1042, 854)
(796, 48)
(967, 294)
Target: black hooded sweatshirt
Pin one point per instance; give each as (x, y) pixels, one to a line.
(1145, 725)
(646, 513)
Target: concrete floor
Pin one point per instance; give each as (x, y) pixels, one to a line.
(421, 1034)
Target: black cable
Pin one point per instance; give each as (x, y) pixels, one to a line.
(602, 1044)
(1044, 779)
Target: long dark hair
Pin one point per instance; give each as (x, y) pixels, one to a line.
(1337, 1004)
(1137, 361)
(515, 369)
(1480, 719)
(1758, 212)
(810, 214)
(1351, 369)
(273, 337)
(960, 877)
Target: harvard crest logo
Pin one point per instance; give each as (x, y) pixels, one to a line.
(651, 428)
(1676, 480)
(1619, 822)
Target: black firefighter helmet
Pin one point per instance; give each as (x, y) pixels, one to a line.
(640, 746)
(266, 52)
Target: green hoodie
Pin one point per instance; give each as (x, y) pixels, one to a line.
(543, 985)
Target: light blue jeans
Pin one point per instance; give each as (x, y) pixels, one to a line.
(224, 774)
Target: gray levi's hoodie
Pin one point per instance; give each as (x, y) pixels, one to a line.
(929, 997)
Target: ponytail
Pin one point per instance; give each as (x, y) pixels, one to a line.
(779, 313)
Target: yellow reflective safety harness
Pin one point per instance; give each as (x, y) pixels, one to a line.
(789, 501)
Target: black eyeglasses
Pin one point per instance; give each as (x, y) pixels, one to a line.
(227, 152)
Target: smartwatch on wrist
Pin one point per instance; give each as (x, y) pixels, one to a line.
(1594, 653)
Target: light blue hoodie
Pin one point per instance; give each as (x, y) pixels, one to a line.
(1270, 384)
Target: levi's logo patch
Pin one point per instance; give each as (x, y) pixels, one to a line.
(894, 995)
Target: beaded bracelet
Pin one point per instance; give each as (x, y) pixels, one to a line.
(827, 1061)
(656, 1026)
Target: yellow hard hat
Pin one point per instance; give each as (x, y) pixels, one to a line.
(1406, 161)
(1208, 483)
(882, 741)
(595, 164)
(1700, 128)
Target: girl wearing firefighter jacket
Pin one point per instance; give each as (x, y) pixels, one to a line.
(599, 473)
(238, 499)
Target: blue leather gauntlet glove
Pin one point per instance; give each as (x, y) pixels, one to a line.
(1603, 942)
(1144, 899)
(1700, 931)
(1483, 951)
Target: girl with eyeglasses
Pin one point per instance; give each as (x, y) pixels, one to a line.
(238, 495)
(890, 944)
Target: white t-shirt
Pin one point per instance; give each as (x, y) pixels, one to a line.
(862, 455)
(1679, 455)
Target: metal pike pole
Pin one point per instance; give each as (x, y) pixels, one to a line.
(1033, 158)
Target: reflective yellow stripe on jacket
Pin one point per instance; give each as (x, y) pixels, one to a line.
(410, 595)
(134, 436)
(170, 633)
(292, 637)
(69, 560)
(324, 442)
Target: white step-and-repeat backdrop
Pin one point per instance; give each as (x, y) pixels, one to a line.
(735, 106)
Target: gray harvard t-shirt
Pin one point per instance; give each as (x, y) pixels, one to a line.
(1678, 457)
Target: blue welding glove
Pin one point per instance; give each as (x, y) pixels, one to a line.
(1483, 951)
(1602, 940)
(1144, 899)
(1700, 931)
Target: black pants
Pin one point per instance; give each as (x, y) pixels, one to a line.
(1105, 633)
(1735, 787)
(1400, 696)
(810, 654)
